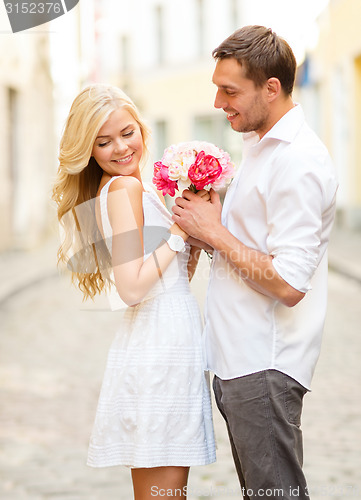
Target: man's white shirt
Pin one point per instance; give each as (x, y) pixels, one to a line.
(282, 203)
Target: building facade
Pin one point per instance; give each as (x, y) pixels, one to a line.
(160, 54)
(27, 147)
(336, 82)
(41, 71)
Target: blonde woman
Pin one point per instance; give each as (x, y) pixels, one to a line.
(154, 411)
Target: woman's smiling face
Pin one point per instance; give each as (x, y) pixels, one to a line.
(118, 147)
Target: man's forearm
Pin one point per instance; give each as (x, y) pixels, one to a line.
(255, 267)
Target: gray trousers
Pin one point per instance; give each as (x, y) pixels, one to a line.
(263, 416)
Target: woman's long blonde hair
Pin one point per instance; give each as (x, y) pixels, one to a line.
(83, 249)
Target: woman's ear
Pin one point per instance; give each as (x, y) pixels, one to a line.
(274, 88)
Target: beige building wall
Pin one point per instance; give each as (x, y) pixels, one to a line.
(41, 71)
(162, 59)
(338, 80)
(161, 56)
(26, 141)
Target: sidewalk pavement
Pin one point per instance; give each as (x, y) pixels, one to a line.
(345, 253)
(21, 269)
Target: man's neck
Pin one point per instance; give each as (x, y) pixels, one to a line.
(279, 109)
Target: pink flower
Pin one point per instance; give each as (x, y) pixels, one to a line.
(227, 171)
(205, 170)
(192, 165)
(162, 181)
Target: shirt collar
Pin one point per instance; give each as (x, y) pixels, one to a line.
(285, 129)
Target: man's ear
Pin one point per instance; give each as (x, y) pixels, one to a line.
(274, 88)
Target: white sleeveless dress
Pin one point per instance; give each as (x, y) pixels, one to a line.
(154, 407)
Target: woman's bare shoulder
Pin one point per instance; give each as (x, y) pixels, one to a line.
(131, 184)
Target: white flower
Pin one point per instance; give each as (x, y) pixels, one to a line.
(179, 165)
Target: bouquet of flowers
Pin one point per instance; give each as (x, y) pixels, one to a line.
(192, 165)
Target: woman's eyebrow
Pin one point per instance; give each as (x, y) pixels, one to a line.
(104, 136)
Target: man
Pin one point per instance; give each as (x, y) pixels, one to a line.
(266, 300)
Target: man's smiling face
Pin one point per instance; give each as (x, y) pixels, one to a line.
(246, 105)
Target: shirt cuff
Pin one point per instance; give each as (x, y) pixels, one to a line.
(295, 271)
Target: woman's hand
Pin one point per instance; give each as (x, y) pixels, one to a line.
(194, 242)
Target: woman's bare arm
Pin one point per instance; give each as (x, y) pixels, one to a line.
(133, 277)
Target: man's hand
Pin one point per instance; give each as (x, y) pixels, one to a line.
(196, 216)
(203, 193)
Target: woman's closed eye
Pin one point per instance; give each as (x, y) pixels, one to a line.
(125, 134)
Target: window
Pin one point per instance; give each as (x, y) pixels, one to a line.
(14, 134)
(13, 149)
(160, 138)
(234, 13)
(124, 54)
(200, 9)
(210, 129)
(159, 33)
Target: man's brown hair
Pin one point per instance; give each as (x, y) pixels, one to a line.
(263, 55)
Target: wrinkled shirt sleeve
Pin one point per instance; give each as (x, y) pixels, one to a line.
(298, 193)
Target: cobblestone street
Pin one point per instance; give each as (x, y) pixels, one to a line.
(52, 355)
